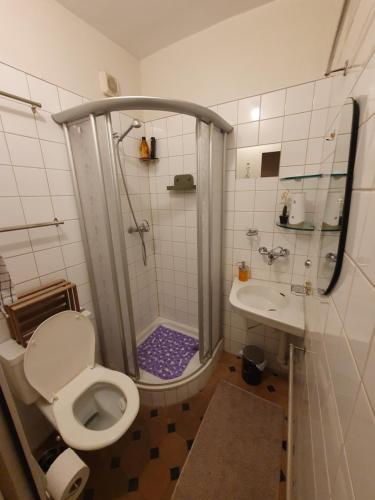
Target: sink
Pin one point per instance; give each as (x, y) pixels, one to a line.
(262, 297)
(269, 303)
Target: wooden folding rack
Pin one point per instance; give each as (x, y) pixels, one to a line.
(35, 306)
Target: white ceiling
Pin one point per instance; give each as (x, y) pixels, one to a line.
(145, 26)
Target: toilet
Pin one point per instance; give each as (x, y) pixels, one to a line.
(90, 406)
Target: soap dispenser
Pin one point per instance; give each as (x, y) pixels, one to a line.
(243, 271)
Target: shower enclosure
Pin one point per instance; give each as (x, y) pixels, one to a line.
(178, 285)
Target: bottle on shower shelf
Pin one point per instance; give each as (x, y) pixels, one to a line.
(153, 148)
(144, 149)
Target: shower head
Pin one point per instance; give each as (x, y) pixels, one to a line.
(135, 124)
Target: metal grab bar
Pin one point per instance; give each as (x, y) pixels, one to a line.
(56, 222)
(33, 104)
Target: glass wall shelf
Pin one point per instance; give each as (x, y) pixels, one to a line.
(311, 176)
(300, 177)
(307, 226)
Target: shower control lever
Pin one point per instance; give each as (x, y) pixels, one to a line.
(143, 227)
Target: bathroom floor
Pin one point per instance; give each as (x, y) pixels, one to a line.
(146, 462)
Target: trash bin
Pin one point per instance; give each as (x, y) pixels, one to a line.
(253, 364)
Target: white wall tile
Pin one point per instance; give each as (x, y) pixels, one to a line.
(24, 151)
(64, 207)
(296, 127)
(4, 153)
(318, 123)
(360, 318)
(265, 201)
(174, 125)
(270, 131)
(55, 155)
(68, 99)
(44, 92)
(188, 124)
(247, 134)
(49, 261)
(8, 186)
(293, 153)
(322, 93)
(17, 118)
(73, 254)
(78, 274)
(70, 232)
(249, 109)
(299, 98)
(31, 181)
(37, 209)
(189, 144)
(11, 212)
(228, 111)
(175, 146)
(60, 182)
(22, 268)
(272, 104)
(360, 447)
(44, 237)
(314, 150)
(47, 128)
(13, 81)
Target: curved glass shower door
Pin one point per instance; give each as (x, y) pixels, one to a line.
(96, 187)
(113, 254)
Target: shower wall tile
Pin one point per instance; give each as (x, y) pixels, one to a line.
(174, 218)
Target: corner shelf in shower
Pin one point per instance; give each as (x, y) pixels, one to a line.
(183, 182)
(306, 226)
(148, 159)
(174, 188)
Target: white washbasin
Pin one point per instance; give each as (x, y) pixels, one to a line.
(269, 303)
(261, 297)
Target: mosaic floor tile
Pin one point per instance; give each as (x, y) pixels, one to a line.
(160, 439)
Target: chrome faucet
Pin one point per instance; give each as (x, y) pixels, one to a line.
(274, 253)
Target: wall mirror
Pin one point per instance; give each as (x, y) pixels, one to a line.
(258, 161)
(338, 183)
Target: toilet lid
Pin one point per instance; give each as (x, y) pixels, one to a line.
(60, 348)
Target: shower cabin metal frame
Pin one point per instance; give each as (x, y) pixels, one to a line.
(91, 122)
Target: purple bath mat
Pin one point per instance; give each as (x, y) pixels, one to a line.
(166, 353)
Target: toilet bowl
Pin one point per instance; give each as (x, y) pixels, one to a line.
(90, 406)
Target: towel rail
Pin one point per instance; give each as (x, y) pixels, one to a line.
(290, 447)
(56, 222)
(289, 478)
(33, 104)
(332, 54)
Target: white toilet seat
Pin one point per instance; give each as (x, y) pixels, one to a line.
(71, 430)
(59, 363)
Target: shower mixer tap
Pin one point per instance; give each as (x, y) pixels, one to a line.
(273, 254)
(143, 227)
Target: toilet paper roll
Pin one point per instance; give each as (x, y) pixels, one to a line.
(67, 476)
